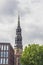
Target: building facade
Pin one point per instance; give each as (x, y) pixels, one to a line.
(6, 54)
(18, 44)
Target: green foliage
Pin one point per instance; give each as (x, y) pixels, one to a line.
(32, 55)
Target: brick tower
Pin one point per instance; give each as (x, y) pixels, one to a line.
(18, 43)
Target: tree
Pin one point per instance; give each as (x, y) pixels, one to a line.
(32, 55)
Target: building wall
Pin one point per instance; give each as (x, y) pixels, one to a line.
(6, 54)
(17, 55)
(11, 55)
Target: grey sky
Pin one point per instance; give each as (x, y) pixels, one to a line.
(31, 17)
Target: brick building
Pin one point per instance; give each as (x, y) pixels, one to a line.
(6, 54)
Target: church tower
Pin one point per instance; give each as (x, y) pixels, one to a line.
(18, 43)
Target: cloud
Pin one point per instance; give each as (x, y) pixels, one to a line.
(9, 7)
(31, 12)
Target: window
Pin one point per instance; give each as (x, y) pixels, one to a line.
(4, 47)
(0, 46)
(5, 54)
(6, 60)
(0, 60)
(1, 54)
(7, 47)
(3, 60)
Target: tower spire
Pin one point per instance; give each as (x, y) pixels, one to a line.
(18, 43)
(18, 38)
(18, 20)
